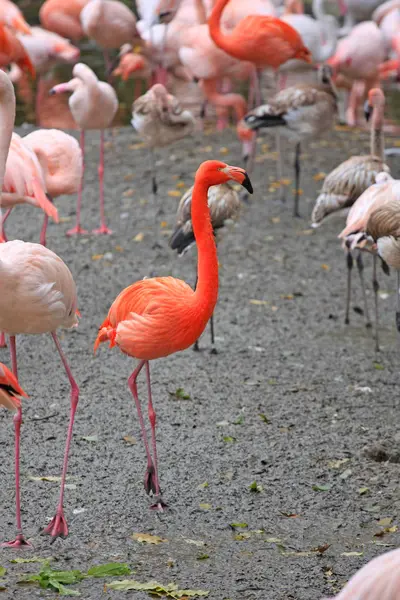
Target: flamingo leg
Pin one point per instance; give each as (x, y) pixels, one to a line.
(375, 285)
(78, 229)
(279, 166)
(154, 186)
(103, 229)
(3, 220)
(3, 341)
(159, 504)
(349, 264)
(149, 483)
(20, 539)
(213, 348)
(360, 268)
(45, 225)
(58, 525)
(297, 179)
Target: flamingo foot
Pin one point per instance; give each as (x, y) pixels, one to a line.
(19, 542)
(102, 230)
(159, 506)
(77, 231)
(57, 527)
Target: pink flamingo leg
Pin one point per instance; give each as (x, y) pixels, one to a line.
(4, 219)
(45, 225)
(151, 483)
(58, 525)
(103, 229)
(78, 229)
(159, 504)
(19, 541)
(222, 113)
(3, 341)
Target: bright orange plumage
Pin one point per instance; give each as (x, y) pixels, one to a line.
(11, 50)
(10, 390)
(265, 41)
(154, 318)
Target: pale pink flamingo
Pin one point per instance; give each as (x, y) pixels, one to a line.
(358, 57)
(46, 48)
(160, 120)
(110, 24)
(377, 580)
(43, 299)
(24, 181)
(93, 105)
(10, 390)
(385, 191)
(357, 11)
(60, 157)
(62, 17)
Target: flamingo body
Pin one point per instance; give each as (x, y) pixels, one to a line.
(109, 22)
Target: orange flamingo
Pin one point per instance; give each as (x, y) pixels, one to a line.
(12, 51)
(162, 315)
(63, 17)
(263, 40)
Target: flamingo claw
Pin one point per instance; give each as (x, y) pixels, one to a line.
(57, 527)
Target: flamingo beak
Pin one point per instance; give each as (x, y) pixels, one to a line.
(240, 176)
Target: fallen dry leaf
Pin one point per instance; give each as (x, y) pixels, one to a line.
(258, 302)
(275, 220)
(129, 439)
(325, 267)
(174, 193)
(224, 150)
(128, 193)
(146, 538)
(138, 237)
(180, 184)
(97, 256)
(319, 176)
(129, 177)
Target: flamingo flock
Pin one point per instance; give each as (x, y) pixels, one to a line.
(322, 69)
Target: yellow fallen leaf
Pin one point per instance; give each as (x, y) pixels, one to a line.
(174, 193)
(97, 256)
(136, 146)
(206, 149)
(319, 176)
(108, 145)
(336, 464)
(287, 297)
(397, 144)
(385, 522)
(264, 147)
(51, 478)
(129, 439)
(275, 219)
(224, 150)
(128, 193)
(300, 191)
(64, 219)
(146, 538)
(205, 506)
(325, 267)
(306, 232)
(258, 302)
(119, 248)
(163, 224)
(286, 181)
(274, 308)
(138, 237)
(352, 554)
(180, 184)
(128, 177)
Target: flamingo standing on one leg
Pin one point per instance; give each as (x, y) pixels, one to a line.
(37, 295)
(60, 157)
(162, 315)
(93, 105)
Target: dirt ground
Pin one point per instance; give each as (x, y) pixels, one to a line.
(295, 400)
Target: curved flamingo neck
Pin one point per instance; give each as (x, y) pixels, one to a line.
(377, 137)
(206, 293)
(236, 101)
(214, 24)
(7, 118)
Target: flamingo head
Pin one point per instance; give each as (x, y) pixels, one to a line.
(215, 172)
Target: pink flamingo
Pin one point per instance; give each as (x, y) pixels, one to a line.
(110, 24)
(93, 105)
(358, 57)
(377, 580)
(24, 181)
(43, 299)
(60, 157)
(10, 390)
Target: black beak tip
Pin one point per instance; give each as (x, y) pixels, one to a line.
(367, 111)
(247, 184)
(52, 92)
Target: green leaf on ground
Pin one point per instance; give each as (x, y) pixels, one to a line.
(321, 487)
(180, 394)
(55, 580)
(264, 418)
(239, 420)
(109, 570)
(34, 559)
(378, 366)
(255, 487)
(3, 571)
(363, 490)
(228, 439)
(203, 557)
(239, 525)
(153, 588)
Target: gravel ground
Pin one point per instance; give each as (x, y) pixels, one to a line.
(295, 400)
